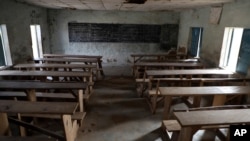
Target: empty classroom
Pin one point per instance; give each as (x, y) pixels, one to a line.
(124, 70)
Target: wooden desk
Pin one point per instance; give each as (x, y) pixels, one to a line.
(67, 60)
(32, 86)
(219, 93)
(86, 61)
(71, 55)
(164, 65)
(64, 109)
(99, 58)
(84, 75)
(192, 120)
(157, 56)
(180, 73)
(55, 66)
(154, 95)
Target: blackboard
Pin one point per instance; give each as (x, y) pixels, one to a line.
(94, 32)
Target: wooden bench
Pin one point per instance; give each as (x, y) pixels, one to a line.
(17, 138)
(209, 118)
(98, 57)
(141, 67)
(188, 73)
(154, 96)
(65, 110)
(174, 127)
(219, 94)
(30, 87)
(87, 61)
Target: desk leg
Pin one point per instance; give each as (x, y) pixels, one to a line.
(4, 125)
(167, 106)
(70, 128)
(154, 103)
(80, 100)
(186, 134)
(219, 100)
(197, 101)
(100, 67)
(31, 94)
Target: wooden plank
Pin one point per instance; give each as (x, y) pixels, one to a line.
(16, 138)
(41, 85)
(11, 106)
(202, 91)
(188, 72)
(167, 64)
(72, 66)
(213, 117)
(44, 73)
(38, 94)
(69, 60)
(36, 128)
(71, 55)
(75, 116)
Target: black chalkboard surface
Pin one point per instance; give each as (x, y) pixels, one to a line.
(94, 32)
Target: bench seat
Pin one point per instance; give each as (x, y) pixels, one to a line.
(173, 126)
(17, 138)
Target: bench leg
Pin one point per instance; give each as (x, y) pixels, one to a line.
(70, 128)
(154, 103)
(22, 129)
(4, 125)
(175, 136)
(31, 94)
(80, 100)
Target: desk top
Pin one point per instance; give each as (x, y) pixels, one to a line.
(207, 90)
(45, 73)
(27, 107)
(162, 64)
(54, 66)
(188, 72)
(41, 85)
(90, 60)
(156, 54)
(71, 55)
(213, 117)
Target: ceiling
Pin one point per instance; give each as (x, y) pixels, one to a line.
(125, 5)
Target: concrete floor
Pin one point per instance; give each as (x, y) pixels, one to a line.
(116, 113)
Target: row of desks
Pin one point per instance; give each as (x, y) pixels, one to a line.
(193, 119)
(30, 86)
(88, 59)
(63, 110)
(157, 56)
(219, 94)
(187, 72)
(146, 66)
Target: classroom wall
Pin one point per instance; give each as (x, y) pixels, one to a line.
(115, 55)
(233, 15)
(18, 17)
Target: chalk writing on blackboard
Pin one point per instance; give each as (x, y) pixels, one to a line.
(94, 32)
